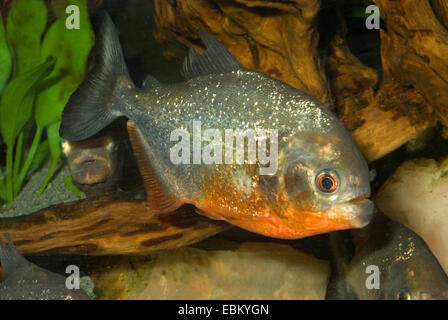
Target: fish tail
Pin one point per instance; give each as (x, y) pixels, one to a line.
(97, 102)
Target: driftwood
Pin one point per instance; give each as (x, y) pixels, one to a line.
(394, 117)
(107, 225)
(415, 49)
(352, 83)
(257, 33)
(280, 38)
(408, 99)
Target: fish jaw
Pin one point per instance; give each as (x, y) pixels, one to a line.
(269, 225)
(354, 213)
(274, 227)
(305, 222)
(300, 224)
(340, 217)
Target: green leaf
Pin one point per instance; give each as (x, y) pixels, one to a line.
(28, 161)
(54, 141)
(59, 7)
(26, 23)
(16, 105)
(72, 49)
(5, 58)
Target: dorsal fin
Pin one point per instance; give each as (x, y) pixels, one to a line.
(215, 59)
(158, 197)
(150, 82)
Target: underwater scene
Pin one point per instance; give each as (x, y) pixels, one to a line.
(223, 150)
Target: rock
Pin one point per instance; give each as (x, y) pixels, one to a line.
(417, 196)
(88, 286)
(253, 271)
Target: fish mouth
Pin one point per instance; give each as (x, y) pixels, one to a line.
(360, 197)
(356, 213)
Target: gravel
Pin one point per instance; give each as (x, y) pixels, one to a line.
(28, 201)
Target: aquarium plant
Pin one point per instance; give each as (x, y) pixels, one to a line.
(356, 9)
(42, 62)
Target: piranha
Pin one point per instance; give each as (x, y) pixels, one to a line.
(407, 270)
(320, 182)
(27, 281)
(95, 164)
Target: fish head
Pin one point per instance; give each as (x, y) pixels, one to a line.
(414, 274)
(325, 182)
(415, 293)
(92, 162)
(415, 281)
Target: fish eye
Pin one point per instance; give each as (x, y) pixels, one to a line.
(327, 181)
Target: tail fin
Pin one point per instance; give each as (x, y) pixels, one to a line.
(96, 103)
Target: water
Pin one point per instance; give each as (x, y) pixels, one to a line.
(93, 213)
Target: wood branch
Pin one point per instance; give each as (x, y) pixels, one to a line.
(440, 8)
(414, 49)
(107, 225)
(379, 124)
(352, 83)
(396, 116)
(281, 42)
(286, 6)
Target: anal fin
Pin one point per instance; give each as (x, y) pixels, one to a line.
(158, 197)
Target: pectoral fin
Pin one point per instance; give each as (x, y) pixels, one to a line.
(157, 195)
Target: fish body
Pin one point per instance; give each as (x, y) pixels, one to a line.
(27, 281)
(315, 181)
(407, 269)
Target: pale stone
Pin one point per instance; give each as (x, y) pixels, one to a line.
(253, 271)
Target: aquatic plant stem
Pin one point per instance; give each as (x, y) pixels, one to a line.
(29, 160)
(2, 187)
(9, 174)
(70, 186)
(54, 144)
(49, 175)
(18, 156)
